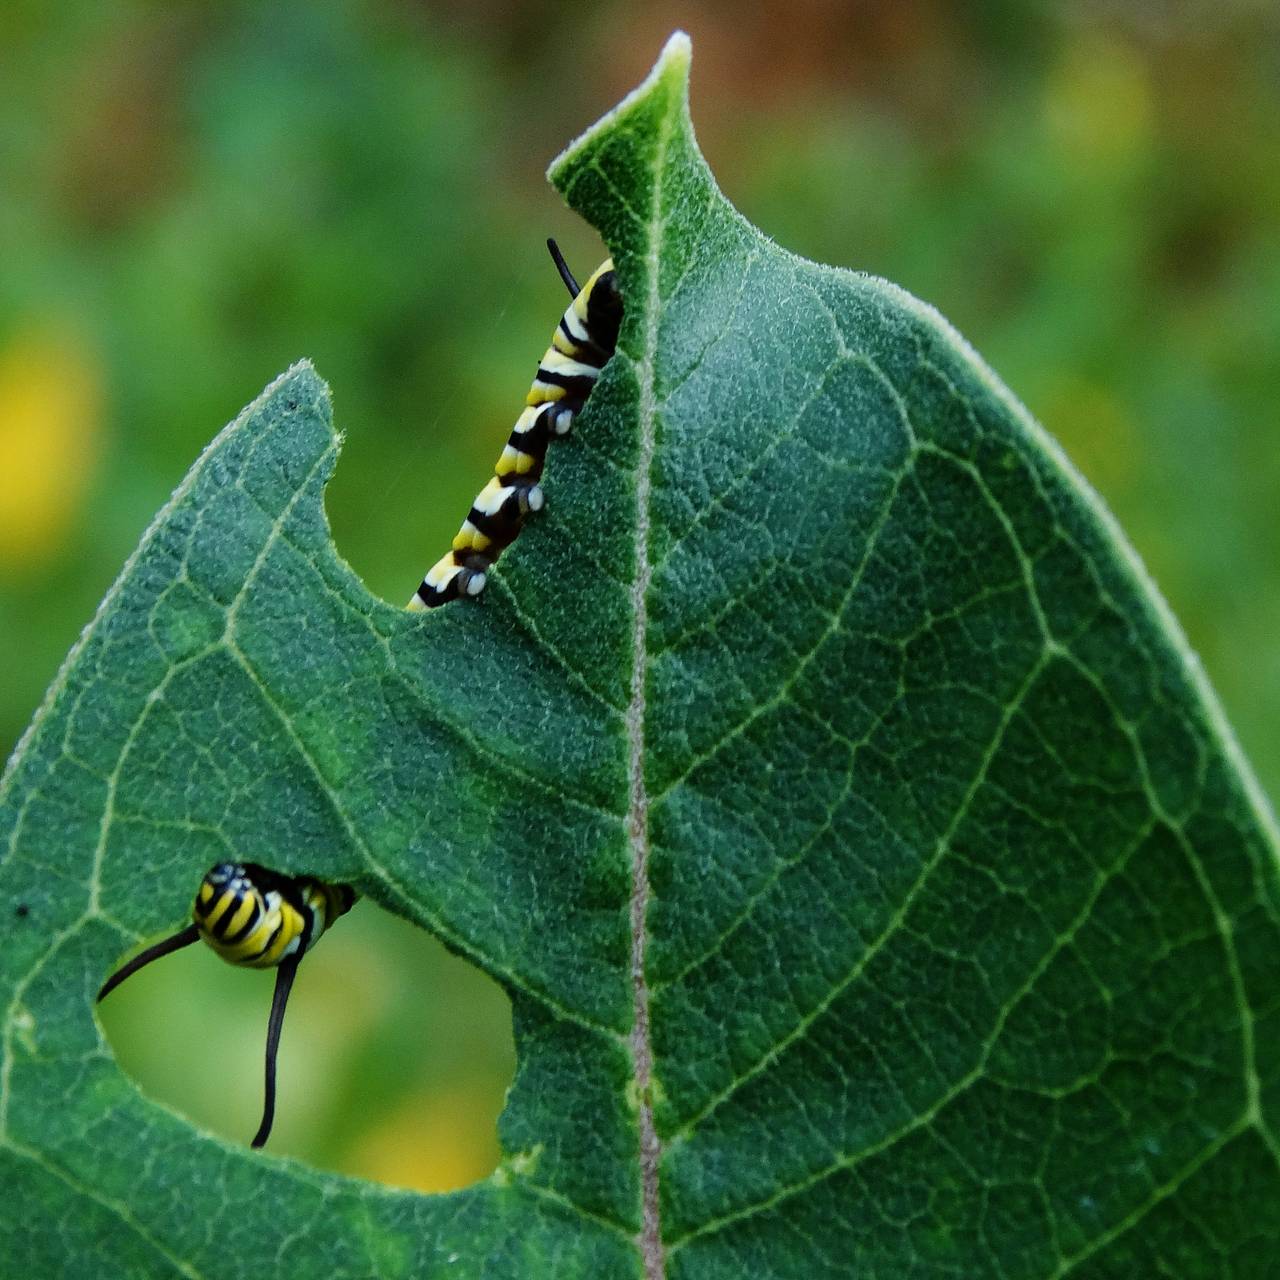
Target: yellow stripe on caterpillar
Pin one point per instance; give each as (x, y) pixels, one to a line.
(469, 538)
(567, 366)
(544, 393)
(514, 462)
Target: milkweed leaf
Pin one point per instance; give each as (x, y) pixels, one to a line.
(879, 890)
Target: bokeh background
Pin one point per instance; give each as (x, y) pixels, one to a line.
(192, 196)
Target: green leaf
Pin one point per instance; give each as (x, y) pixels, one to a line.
(877, 885)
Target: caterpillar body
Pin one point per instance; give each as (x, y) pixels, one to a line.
(261, 919)
(584, 340)
(253, 916)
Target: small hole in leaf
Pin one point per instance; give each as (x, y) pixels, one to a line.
(394, 1063)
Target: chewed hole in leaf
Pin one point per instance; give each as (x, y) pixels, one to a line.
(394, 1062)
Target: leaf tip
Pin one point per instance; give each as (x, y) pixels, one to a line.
(675, 57)
(301, 377)
(669, 77)
(298, 387)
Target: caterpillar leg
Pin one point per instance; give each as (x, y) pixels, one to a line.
(561, 417)
(448, 580)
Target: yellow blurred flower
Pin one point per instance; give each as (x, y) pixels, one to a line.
(438, 1140)
(50, 440)
(1098, 103)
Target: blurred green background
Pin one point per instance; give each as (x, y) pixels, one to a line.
(192, 196)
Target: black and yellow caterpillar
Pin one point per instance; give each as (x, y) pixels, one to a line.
(259, 918)
(581, 346)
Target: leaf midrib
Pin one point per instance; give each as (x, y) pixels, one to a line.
(650, 1148)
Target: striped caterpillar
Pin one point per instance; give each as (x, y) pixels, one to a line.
(585, 338)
